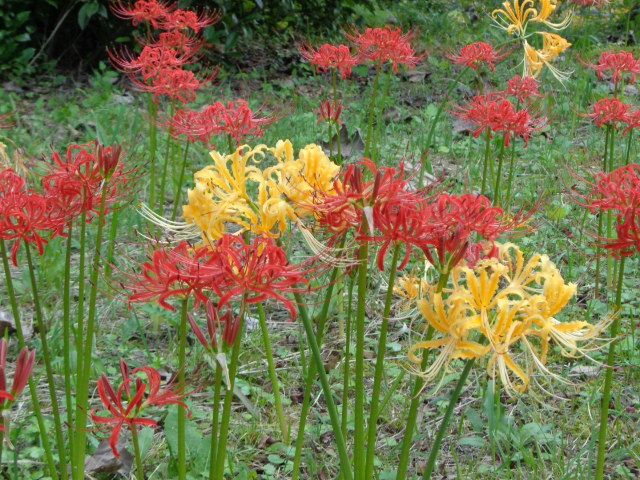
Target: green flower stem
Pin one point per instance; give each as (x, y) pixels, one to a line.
(444, 424)
(311, 375)
(372, 110)
(485, 164)
(512, 161)
(608, 379)
(275, 384)
(334, 88)
(84, 375)
(496, 190)
(223, 436)
(215, 418)
(46, 355)
(347, 360)
(66, 333)
(176, 195)
(153, 146)
(412, 415)
(434, 124)
(629, 145)
(326, 389)
(35, 402)
(165, 165)
(111, 244)
(596, 288)
(137, 454)
(374, 412)
(79, 332)
(359, 438)
(182, 414)
(610, 273)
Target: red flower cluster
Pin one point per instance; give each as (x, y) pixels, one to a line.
(477, 54)
(610, 111)
(523, 88)
(235, 119)
(619, 192)
(328, 57)
(138, 395)
(617, 64)
(159, 69)
(495, 114)
(24, 368)
(330, 112)
(231, 269)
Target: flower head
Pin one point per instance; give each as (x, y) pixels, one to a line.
(523, 88)
(179, 19)
(330, 112)
(142, 11)
(385, 45)
(617, 65)
(329, 57)
(237, 120)
(127, 405)
(477, 54)
(24, 368)
(609, 111)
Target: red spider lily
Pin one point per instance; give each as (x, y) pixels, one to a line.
(385, 45)
(328, 57)
(24, 217)
(197, 126)
(480, 251)
(617, 64)
(175, 83)
(494, 113)
(616, 191)
(454, 219)
(149, 11)
(609, 111)
(137, 401)
(475, 55)
(523, 88)
(179, 272)
(237, 120)
(214, 321)
(185, 44)
(10, 183)
(330, 112)
(183, 19)
(24, 368)
(256, 272)
(627, 242)
(153, 61)
(632, 120)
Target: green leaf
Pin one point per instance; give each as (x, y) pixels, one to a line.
(85, 13)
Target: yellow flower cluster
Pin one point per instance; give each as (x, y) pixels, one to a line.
(504, 310)
(515, 16)
(237, 191)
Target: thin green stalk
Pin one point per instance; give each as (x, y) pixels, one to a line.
(444, 424)
(137, 453)
(359, 438)
(176, 195)
(374, 412)
(596, 289)
(608, 379)
(223, 436)
(46, 355)
(311, 376)
(512, 161)
(334, 88)
(485, 165)
(347, 360)
(496, 190)
(111, 244)
(35, 402)
(326, 390)
(79, 332)
(84, 375)
(610, 274)
(165, 165)
(434, 122)
(629, 144)
(371, 115)
(215, 416)
(66, 334)
(412, 415)
(153, 146)
(275, 384)
(182, 413)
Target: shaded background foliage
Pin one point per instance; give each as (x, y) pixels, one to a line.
(73, 34)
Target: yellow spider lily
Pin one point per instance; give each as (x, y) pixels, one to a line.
(514, 16)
